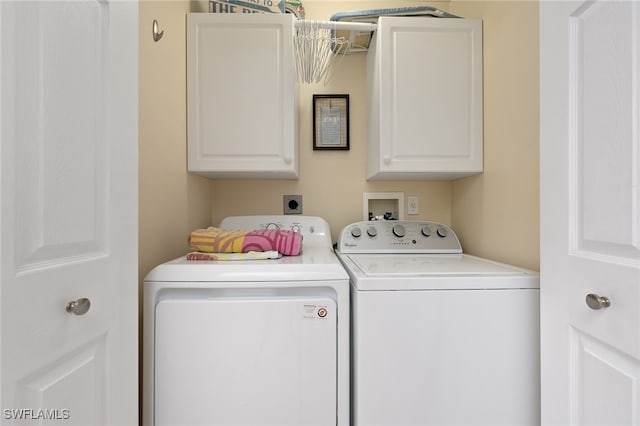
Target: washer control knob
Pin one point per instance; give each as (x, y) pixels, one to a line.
(372, 231)
(426, 231)
(356, 232)
(442, 232)
(399, 231)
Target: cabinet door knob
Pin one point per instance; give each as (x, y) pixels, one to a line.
(597, 302)
(387, 159)
(78, 307)
(287, 159)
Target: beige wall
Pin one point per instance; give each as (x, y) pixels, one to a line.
(496, 214)
(332, 182)
(172, 202)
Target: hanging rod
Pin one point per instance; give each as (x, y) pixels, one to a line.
(347, 26)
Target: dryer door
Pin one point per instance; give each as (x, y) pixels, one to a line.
(246, 361)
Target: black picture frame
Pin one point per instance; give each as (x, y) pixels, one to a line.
(331, 122)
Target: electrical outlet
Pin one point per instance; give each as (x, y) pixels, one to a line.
(292, 204)
(412, 202)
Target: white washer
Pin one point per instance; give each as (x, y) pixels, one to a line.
(439, 337)
(262, 342)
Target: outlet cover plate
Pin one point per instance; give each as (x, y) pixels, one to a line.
(292, 204)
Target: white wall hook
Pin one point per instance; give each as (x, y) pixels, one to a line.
(157, 35)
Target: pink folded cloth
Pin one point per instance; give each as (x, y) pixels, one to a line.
(216, 240)
(252, 255)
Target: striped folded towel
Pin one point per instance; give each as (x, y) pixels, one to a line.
(216, 240)
(252, 255)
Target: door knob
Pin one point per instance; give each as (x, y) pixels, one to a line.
(597, 302)
(78, 307)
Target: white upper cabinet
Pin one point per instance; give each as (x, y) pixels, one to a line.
(242, 114)
(424, 81)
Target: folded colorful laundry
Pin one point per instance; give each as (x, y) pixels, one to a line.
(252, 255)
(217, 240)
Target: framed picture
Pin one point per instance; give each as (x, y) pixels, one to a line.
(330, 122)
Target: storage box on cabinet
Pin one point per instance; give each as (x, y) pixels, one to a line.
(242, 114)
(424, 81)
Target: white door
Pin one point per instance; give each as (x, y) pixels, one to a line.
(68, 174)
(590, 212)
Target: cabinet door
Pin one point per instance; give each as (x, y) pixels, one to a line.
(241, 96)
(425, 98)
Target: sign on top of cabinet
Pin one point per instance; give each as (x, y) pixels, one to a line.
(242, 115)
(424, 78)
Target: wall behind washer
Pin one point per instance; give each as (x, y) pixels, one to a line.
(496, 213)
(332, 182)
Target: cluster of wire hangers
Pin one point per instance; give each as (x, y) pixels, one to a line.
(318, 47)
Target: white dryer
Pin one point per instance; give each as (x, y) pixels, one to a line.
(255, 342)
(439, 337)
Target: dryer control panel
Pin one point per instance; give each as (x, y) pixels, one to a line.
(315, 230)
(398, 236)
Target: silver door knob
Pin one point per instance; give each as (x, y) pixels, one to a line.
(597, 302)
(78, 307)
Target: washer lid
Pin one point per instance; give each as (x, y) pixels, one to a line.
(434, 264)
(434, 271)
